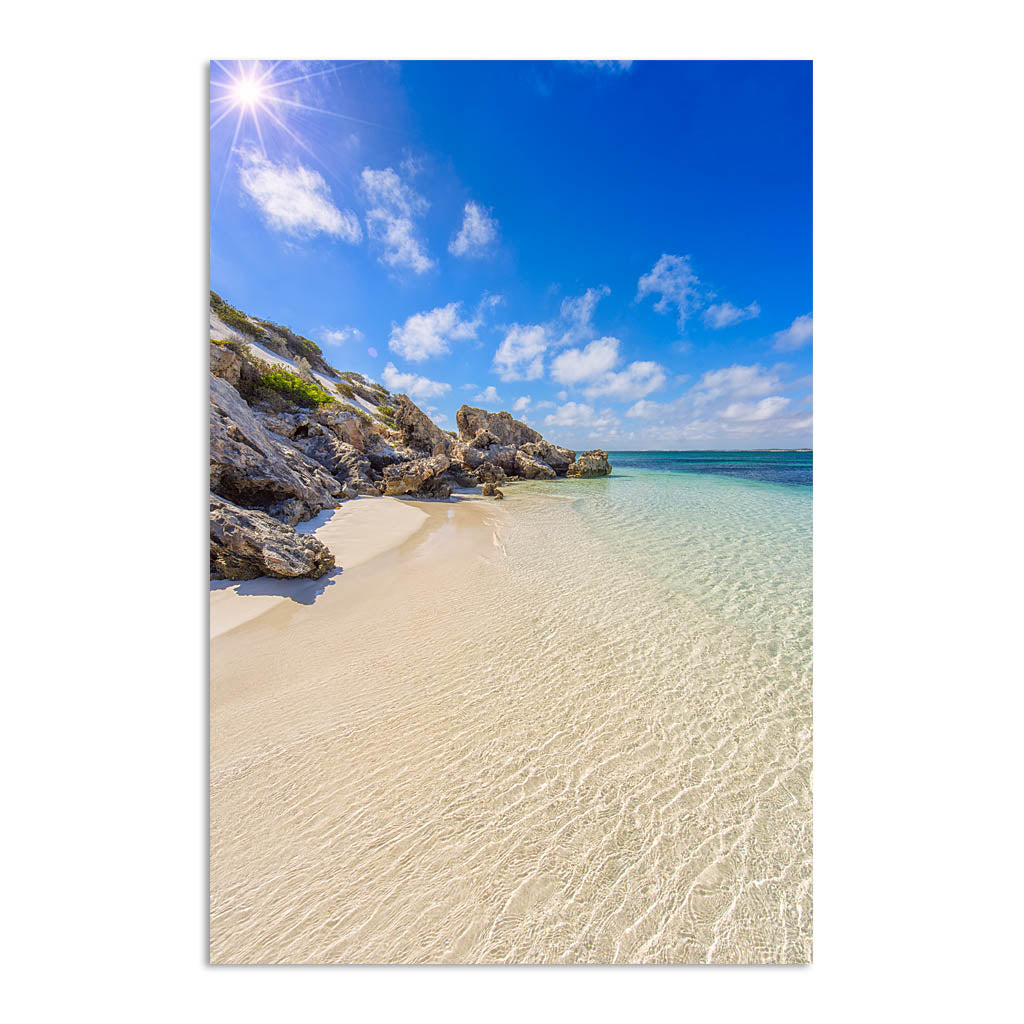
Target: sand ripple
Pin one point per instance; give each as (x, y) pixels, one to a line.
(587, 738)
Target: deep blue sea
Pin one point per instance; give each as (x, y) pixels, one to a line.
(778, 467)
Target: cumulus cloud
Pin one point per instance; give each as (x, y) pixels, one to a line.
(429, 334)
(579, 364)
(489, 394)
(749, 411)
(635, 381)
(295, 200)
(520, 356)
(739, 381)
(392, 205)
(672, 279)
(725, 314)
(736, 405)
(329, 337)
(798, 333)
(579, 414)
(413, 384)
(478, 231)
(521, 404)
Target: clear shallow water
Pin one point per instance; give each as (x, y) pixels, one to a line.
(585, 741)
(780, 467)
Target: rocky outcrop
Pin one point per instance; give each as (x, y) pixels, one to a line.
(226, 363)
(501, 424)
(245, 543)
(253, 467)
(343, 461)
(592, 463)
(418, 430)
(558, 458)
(532, 469)
(420, 478)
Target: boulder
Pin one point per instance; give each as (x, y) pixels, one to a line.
(498, 495)
(532, 469)
(592, 463)
(489, 472)
(418, 430)
(487, 490)
(255, 468)
(501, 424)
(483, 439)
(420, 478)
(226, 363)
(245, 543)
(558, 458)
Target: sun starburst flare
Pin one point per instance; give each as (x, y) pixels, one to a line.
(249, 91)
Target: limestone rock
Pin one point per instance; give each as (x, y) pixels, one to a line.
(225, 363)
(343, 461)
(419, 478)
(501, 424)
(592, 463)
(253, 467)
(532, 469)
(487, 490)
(418, 430)
(245, 543)
(558, 458)
(498, 495)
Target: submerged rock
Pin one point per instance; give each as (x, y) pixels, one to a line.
(246, 543)
(592, 463)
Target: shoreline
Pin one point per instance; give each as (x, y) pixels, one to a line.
(358, 531)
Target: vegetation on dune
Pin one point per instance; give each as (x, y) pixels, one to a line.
(240, 348)
(234, 318)
(293, 387)
(345, 389)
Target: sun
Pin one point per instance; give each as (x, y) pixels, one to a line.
(249, 92)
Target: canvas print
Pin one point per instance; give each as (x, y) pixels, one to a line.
(510, 512)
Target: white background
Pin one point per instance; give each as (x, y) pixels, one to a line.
(917, 500)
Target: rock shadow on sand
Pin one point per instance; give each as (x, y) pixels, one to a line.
(301, 591)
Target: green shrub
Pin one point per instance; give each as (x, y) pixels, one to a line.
(215, 299)
(312, 346)
(345, 389)
(239, 321)
(385, 411)
(292, 386)
(352, 377)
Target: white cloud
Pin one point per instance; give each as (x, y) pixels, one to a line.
(798, 333)
(575, 364)
(520, 356)
(295, 200)
(329, 337)
(635, 381)
(521, 404)
(562, 395)
(545, 404)
(579, 414)
(672, 278)
(578, 314)
(735, 406)
(389, 219)
(489, 394)
(739, 382)
(763, 410)
(725, 314)
(437, 417)
(478, 231)
(412, 384)
(429, 334)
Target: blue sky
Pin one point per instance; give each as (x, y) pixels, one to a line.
(619, 252)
